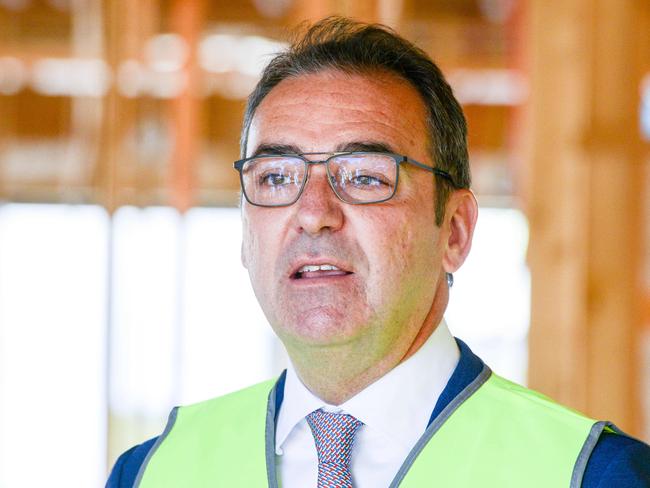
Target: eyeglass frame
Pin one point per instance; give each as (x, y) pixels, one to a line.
(398, 158)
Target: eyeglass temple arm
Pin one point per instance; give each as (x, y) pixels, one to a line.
(435, 171)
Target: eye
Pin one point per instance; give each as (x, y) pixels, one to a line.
(366, 180)
(274, 179)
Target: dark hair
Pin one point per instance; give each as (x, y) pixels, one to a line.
(358, 48)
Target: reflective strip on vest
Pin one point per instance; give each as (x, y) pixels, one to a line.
(502, 435)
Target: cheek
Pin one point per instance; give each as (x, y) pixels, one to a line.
(255, 246)
(264, 241)
(403, 253)
(248, 243)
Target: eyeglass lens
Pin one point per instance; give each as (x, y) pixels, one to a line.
(356, 178)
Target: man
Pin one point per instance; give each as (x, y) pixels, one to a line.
(356, 212)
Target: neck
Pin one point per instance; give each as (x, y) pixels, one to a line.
(337, 373)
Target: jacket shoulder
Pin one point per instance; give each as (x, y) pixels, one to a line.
(128, 464)
(618, 460)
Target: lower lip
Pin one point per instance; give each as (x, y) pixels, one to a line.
(322, 278)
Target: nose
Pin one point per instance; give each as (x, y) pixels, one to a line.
(318, 208)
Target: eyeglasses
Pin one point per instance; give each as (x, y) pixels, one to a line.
(358, 177)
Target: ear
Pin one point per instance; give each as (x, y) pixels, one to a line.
(458, 228)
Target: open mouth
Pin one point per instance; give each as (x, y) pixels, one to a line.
(311, 271)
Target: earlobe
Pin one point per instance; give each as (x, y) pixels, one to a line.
(460, 221)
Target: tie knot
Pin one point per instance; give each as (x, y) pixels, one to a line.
(334, 435)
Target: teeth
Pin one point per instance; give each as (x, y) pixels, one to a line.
(322, 267)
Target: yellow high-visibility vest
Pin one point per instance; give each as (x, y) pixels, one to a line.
(494, 434)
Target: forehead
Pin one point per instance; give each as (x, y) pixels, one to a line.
(325, 110)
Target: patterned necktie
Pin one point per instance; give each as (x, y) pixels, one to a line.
(334, 436)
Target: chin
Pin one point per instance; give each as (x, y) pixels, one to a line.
(320, 327)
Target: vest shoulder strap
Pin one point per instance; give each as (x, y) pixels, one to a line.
(223, 438)
(505, 435)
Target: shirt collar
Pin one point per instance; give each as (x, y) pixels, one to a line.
(411, 389)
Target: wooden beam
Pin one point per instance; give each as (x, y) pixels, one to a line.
(105, 178)
(585, 210)
(126, 26)
(187, 18)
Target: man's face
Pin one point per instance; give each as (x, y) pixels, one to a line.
(387, 255)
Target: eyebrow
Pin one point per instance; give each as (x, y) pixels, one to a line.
(268, 148)
(370, 146)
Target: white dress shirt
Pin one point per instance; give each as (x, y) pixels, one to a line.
(395, 411)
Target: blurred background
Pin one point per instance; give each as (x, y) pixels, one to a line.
(121, 291)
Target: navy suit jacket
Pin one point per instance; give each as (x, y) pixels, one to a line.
(617, 461)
